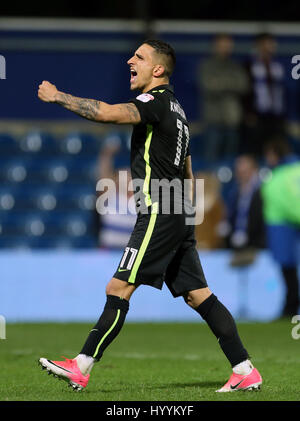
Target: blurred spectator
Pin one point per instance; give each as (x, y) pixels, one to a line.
(281, 206)
(265, 103)
(207, 236)
(244, 227)
(223, 82)
(115, 226)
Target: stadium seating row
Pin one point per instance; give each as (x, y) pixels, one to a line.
(46, 199)
(45, 242)
(48, 187)
(38, 143)
(47, 190)
(48, 170)
(73, 223)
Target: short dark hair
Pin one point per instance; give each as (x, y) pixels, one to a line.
(250, 157)
(164, 48)
(222, 35)
(279, 146)
(264, 36)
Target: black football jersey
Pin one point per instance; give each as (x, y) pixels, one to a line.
(159, 145)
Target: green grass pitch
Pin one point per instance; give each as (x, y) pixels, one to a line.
(149, 362)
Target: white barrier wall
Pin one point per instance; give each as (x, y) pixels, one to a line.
(70, 286)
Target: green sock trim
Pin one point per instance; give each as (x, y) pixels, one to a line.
(107, 333)
(145, 243)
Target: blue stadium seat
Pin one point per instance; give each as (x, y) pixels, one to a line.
(34, 223)
(61, 242)
(48, 189)
(56, 172)
(84, 242)
(63, 170)
(38, 143)
(14, 170)
(48, 197)
(11, 223)
(76, 224)
(122, 139)
(9, 146)
(84, 171)
(14, 242)
(82, 197)
(7, 201)
(80, 144)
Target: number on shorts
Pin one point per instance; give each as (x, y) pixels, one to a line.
(131, 259)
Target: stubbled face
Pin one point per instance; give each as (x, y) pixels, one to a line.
(267, 47)
(142, 65)
(271, 158)
(224, 47)
(244, 169)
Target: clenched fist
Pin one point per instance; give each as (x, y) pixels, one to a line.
(47, 92)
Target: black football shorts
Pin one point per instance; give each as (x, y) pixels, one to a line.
(162, 249)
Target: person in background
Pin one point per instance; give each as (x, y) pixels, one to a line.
(222, 82)
(281, 209)
(207, 235)
(265, 102)
(115, 227)
(244, 207)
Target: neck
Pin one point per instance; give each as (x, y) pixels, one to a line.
(153, 84)
(265, 57)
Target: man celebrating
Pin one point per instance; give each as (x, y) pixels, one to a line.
(162, 246)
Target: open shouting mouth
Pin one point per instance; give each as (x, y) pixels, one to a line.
(133, 74)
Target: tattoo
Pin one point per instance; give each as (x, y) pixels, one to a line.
(87, 108)
(132, 111)
(90, 109)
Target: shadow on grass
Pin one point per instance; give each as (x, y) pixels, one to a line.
(204, 384)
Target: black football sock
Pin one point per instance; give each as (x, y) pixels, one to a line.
(107, 327)
(224, 328)
(290, 275)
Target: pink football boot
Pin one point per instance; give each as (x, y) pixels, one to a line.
(238, 382)
(67, 370)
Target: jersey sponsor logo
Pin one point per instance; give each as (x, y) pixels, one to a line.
(145, 97)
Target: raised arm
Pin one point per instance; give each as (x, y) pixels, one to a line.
(90, 108)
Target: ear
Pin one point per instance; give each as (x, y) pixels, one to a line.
(158, 70)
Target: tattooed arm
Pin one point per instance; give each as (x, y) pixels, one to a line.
(90, 108)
